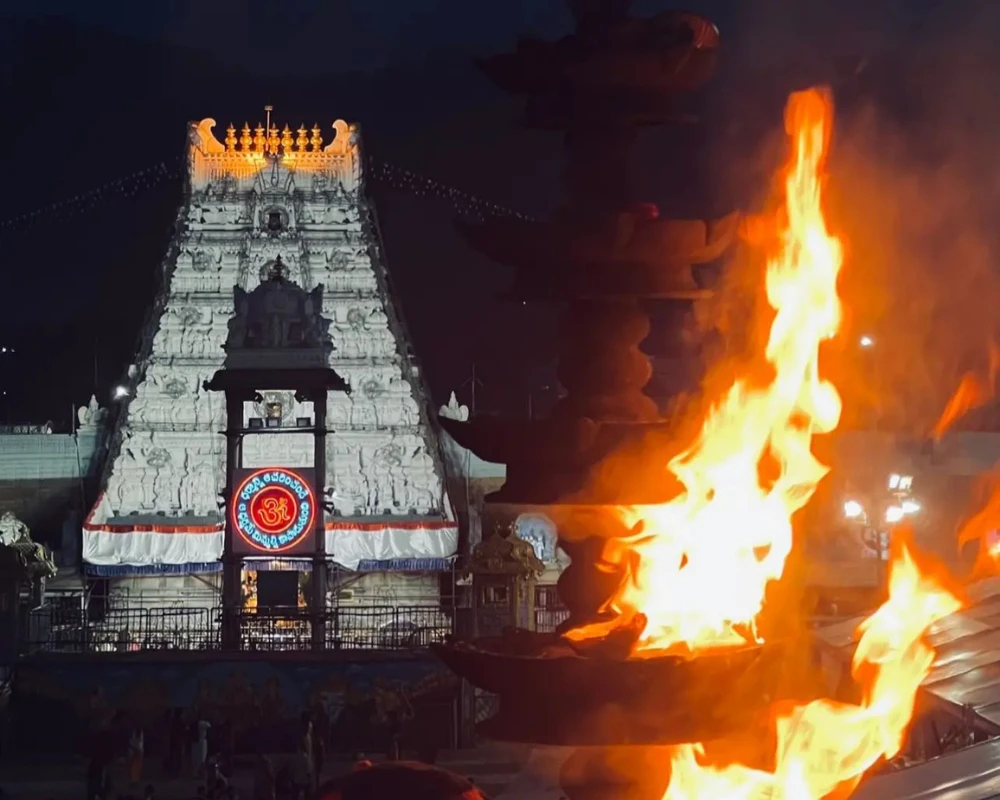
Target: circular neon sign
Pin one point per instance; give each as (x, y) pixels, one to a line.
(273, 509)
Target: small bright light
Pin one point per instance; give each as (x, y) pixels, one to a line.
(905, 483)
(910, 506)
(894, 481)
(866, 341)
(120, 392)
(853, 509)
(894, 514)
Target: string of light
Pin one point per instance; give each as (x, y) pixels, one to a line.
(465, 204)
(126, 186)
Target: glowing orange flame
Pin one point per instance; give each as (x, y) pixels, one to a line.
(826, 746)
(973, 391)
(700, 565)
(981, 527)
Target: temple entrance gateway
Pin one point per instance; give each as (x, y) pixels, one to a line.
(276, 511)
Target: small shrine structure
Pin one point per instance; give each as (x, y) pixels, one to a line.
(504, 570)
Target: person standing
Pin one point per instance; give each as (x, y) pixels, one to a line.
(263, 782)
(199, 746)
(320, 735)
(98, 777)
(136, 751)
(175, 744)
(302, 772)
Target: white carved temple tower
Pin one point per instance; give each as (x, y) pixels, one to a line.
(261, 195)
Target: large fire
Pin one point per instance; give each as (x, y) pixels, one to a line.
(699, 566)
(825, 746)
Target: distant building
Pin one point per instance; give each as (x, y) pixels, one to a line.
(45, 478)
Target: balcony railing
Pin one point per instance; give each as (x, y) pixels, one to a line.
(55, 629)
(68, 626)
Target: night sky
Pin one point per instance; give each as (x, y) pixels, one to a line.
(97, 91)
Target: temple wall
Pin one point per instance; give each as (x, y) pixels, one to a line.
(44, 476)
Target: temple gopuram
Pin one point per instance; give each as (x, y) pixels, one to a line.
(261, 196)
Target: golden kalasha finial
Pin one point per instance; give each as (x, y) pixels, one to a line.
(259, 141)
(315, 140)
(302, 139)
(245, 139)
(273, 139)
(230, 138)
(286, 140)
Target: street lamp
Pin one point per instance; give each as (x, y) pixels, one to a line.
(853, 509)
(866, 341)
(120, 392)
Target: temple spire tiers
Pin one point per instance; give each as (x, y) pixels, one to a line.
(276, 270)
(602, 258)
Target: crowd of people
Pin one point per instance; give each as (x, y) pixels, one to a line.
(196, 749)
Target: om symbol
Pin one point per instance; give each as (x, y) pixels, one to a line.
(274, 509)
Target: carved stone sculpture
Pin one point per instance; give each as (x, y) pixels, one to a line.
(90, 415)
(12, 530)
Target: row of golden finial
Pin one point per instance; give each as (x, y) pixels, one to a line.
(268, 140)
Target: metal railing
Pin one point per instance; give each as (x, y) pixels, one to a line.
(547, 619)
(58, 629)
(69, 625)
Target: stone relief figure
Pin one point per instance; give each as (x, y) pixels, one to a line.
(372, 388)
(138, 408)
(365, 415)
(190, 315)
(199, 488)
(339, 413)
(406, 415)
(202, 261)
(147, 494)
(384, 492)
(337, 259)
(166, 490)
(357, 319)
(157, 457)
(391, 455)
(175, 388)
(250, 209)
(304, 211)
